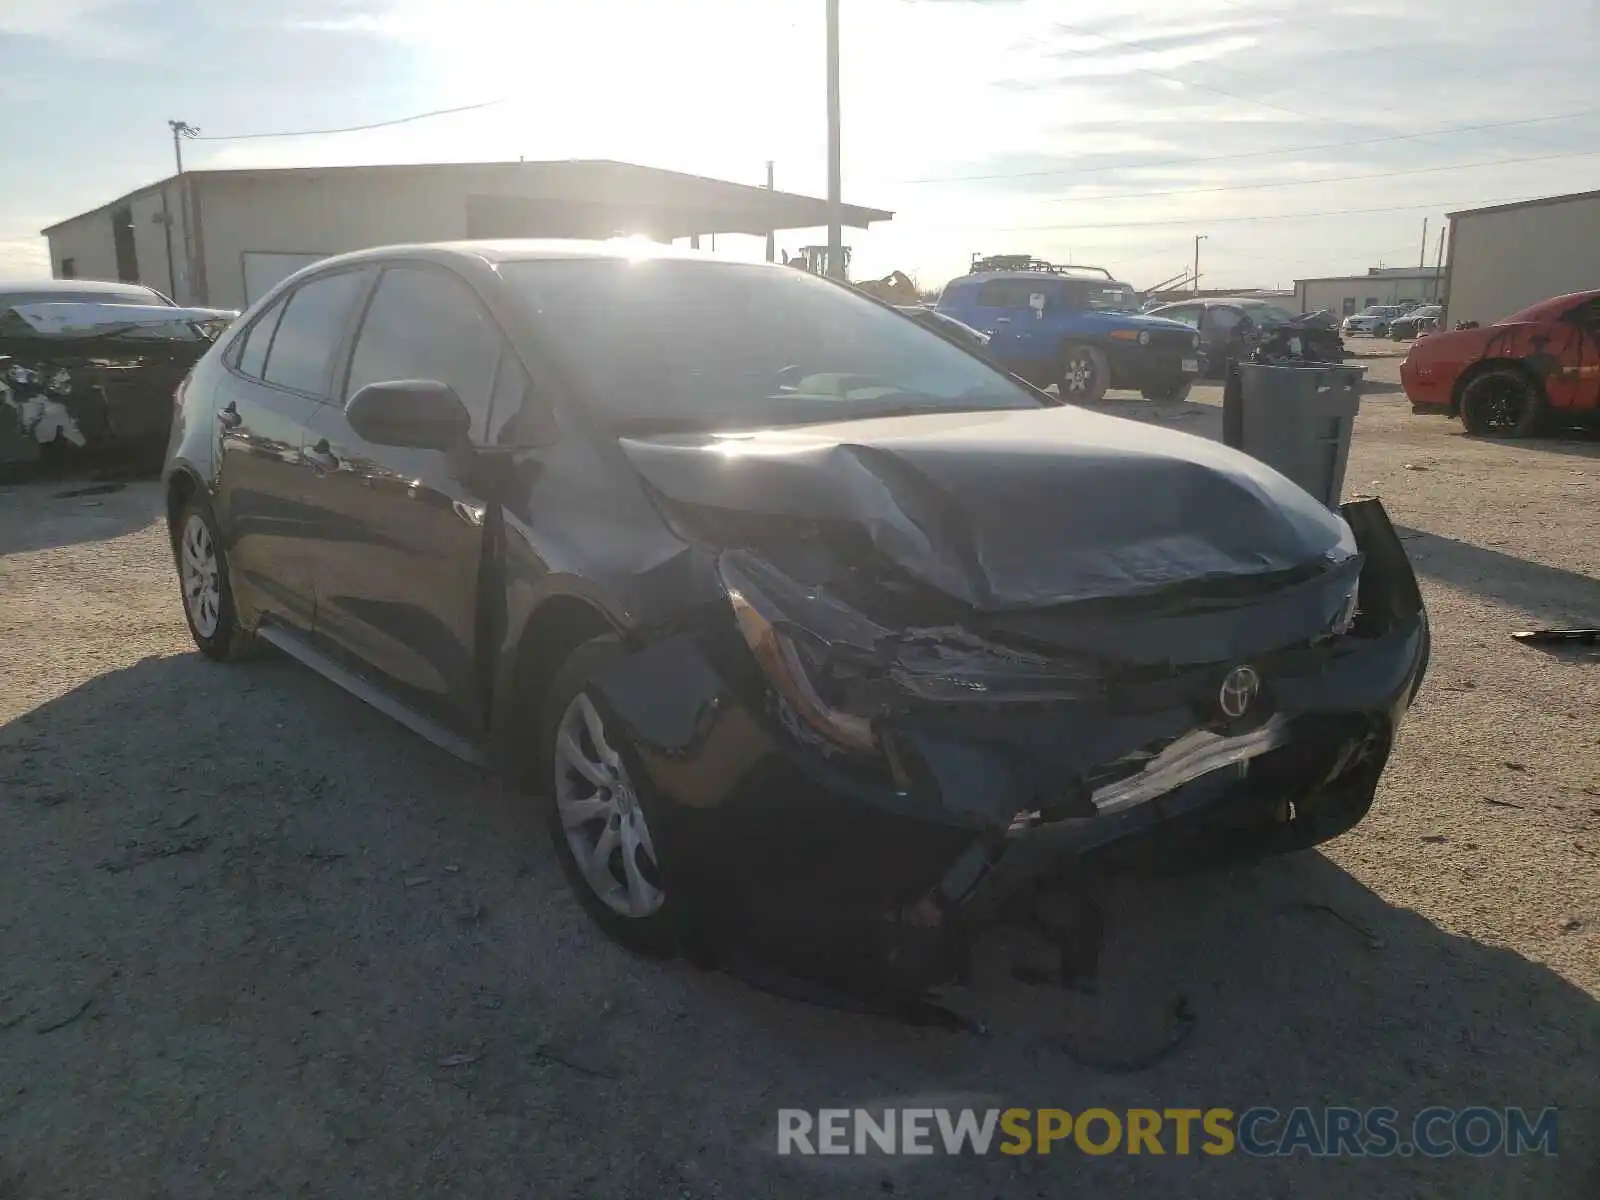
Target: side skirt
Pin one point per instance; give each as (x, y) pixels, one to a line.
(292, 645)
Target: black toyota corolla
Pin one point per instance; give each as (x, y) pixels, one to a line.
(797, 619)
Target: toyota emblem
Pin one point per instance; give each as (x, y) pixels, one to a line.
(1238, 691)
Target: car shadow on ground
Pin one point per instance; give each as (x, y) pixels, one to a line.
(1556, 596)
(275, 907)
(1577, 442)
(75, 509)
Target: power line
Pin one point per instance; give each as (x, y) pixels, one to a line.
(1179, 162)
(1244, 187)
(1335, 212)
(438, 112)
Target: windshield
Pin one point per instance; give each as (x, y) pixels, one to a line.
(1269, 314)
(1383, 310)
(692, 344)
(1111, 297)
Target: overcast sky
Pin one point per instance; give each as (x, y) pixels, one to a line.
(1111, 132)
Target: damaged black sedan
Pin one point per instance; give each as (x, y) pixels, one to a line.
(88, 368)
(806, 626)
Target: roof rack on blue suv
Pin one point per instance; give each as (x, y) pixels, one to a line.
(1073, 326)
(1026, 262)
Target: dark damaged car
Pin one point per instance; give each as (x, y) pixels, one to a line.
(89, 368)
(806, 627)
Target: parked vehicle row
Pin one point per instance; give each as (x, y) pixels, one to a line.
(803, 625)
(1420, 320)
(1232, 328)
(1401, 321)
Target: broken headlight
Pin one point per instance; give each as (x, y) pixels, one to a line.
(777, 647)
(840, 668)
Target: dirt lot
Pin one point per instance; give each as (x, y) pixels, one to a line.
(259, 941)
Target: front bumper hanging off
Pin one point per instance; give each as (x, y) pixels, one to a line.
(769, 835)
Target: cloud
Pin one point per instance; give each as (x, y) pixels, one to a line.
(94, 29)
(25, 258)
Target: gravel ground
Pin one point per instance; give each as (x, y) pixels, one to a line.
(257, 940)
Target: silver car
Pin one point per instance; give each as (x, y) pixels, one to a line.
(1374, 321)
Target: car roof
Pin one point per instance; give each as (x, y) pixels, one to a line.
(1208, 301)
(76, 287)
(1552, 307)
(503, 250)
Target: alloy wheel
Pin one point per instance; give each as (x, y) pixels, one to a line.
(202, 576)
(1078, 374)
(1499, 405)
(601, 816)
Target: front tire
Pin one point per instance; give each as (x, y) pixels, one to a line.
(203, 581)
(599, 811)
(1085, 375)
(1502, 403)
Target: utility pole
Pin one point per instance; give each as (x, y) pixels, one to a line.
(1198, 238)
(772, 248)
(181, 130)
(835, 232)
(1422, 250)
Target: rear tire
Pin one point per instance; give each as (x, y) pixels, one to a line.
(203, 584)
(598, 806)
(1084, 376)
(1502, 403)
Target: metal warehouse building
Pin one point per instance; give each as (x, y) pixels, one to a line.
(1346, 294)
(223, 238)
(1508, 256)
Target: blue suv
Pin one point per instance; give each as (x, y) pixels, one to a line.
(1075, 327)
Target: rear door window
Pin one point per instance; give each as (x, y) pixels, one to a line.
(1015, 293)
(310, 330)
(251, 356)
(1220, 319)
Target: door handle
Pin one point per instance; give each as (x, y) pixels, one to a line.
(321, 457)
(229, 417)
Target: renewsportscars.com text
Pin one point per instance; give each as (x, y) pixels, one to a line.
(1259, 1132)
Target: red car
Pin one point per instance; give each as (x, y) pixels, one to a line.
(1537, 368)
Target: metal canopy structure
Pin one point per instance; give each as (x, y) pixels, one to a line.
(571, 198)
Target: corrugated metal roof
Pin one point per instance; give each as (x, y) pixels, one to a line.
(793, 210)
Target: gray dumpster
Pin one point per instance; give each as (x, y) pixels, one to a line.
(1297, 420)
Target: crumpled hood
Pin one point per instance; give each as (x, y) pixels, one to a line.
(1014, 509)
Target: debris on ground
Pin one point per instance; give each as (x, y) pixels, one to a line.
(1503, 803)
(1558, 637)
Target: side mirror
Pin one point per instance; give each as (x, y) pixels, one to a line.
(417, 413)
(1036, 302)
